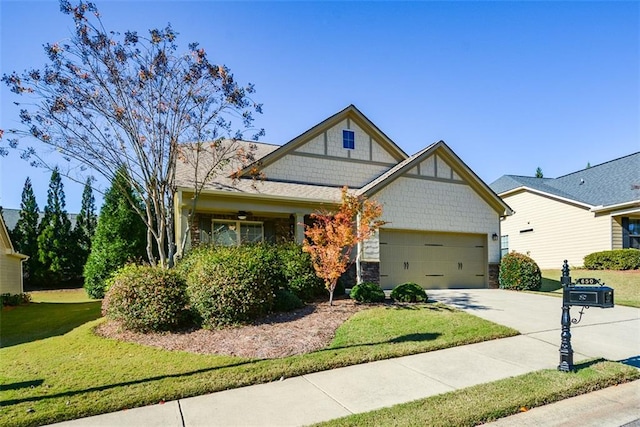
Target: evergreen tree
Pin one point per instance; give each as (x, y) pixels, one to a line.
(86, 223)
(539, 173)
(55, 241)
(25, 233)
(120, 237)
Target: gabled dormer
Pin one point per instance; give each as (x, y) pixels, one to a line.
(345, 149)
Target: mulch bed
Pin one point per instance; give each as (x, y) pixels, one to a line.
(278, 335)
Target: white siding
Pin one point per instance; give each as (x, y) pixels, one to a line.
(420, 204)
(559, 230)
(10, 274)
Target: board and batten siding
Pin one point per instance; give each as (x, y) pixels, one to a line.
(430, 205)
(324, 161)
(552, 230)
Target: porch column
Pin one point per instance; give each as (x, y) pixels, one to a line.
(299, 227)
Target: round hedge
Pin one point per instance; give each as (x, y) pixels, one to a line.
(367, 292)
(145, 298)
(519, 272)
(228, 285)
(409, 292)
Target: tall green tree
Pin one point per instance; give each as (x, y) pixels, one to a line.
(86, 223)
(120, 237)
(55, 241)
(25, 233)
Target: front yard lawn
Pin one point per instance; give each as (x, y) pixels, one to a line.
(80, 374)
(626, 284)
(487, 402)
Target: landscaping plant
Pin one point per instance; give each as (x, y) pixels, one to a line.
(228, 285)
(333, 236)
(367, 292)
(519, 272)
(409, 292)
(618, 259)
(146, 298)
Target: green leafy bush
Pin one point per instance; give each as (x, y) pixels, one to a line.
(519, 272)
(286, 300)
(14, 299)
(409, 292)
(298, 272)
(619, 259)
(227, 285)
(145, 298)
(367, 292)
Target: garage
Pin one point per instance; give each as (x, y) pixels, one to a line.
(433, 260)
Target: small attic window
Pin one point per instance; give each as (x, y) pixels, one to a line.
(348, 139)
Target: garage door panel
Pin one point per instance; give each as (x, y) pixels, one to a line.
(432, 260)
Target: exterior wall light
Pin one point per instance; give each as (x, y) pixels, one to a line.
(242, 215)
(494, 237)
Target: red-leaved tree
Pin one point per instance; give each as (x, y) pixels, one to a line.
(333, 236)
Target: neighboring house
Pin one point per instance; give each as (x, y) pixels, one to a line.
(443, 221)
(11, 217)
(10, 264)
(594, 209)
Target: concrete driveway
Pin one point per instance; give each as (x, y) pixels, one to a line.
(611, 333)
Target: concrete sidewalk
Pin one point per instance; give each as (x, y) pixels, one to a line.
(610, 333)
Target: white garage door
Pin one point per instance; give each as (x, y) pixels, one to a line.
(432, 260)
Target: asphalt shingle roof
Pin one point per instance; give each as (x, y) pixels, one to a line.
(610, 183)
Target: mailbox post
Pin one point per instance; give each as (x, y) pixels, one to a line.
(584, 296)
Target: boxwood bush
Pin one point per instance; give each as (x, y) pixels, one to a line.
(286, 300)
(367, 292)
(618, 259)
(228, 285)
(145, 298)
(519, 272)
(409, 292)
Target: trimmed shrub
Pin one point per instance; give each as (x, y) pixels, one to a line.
(286, 300)
(409, 292)
(618, 259)
(14, 299)
(519, 272)
(145, 298)
(298, 272)
(228, 285)
(367, 292)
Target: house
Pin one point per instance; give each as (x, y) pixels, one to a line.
(590, 210)
(10, 264)
(443, 221)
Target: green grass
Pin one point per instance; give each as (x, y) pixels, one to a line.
(488, 402)
(61, 295)
(626, 284)
(80, 374)
(52, 313)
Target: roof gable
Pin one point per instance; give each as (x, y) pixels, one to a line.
(438, 162)
(317, 141)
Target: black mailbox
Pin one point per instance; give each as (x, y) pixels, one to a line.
(589, 296)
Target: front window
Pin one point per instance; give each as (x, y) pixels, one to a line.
(349, 139)
(504, 245)
(235, 233)
(634, 233)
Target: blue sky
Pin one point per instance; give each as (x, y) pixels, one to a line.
(510, 86)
